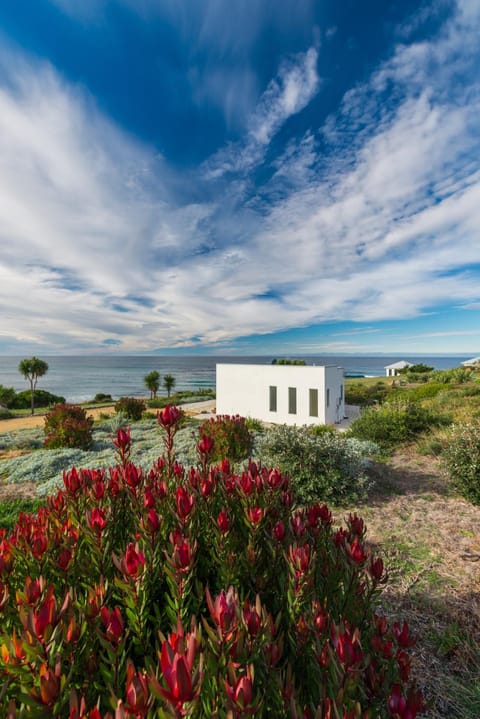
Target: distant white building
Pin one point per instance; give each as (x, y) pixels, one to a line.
(392, 370)
(281, 394)
(474, 362)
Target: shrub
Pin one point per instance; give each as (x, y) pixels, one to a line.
(231, 437)
(394, 423)
(417, 394)
(462, 459)
(7, 395)
(322, 467)
(5, 413)
(105, 588)
(101, 397)
(364, 394)
(42, 399)
(130, 407)
(254, 425)
(67, 425)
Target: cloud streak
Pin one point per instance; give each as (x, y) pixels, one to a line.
(370, 216)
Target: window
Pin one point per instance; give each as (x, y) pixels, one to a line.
(341, 391)
(328, 398)
(273, 399)
(313, 397)
(292, 400)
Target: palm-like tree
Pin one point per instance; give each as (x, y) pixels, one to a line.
(152, 382)
(32, 369)
(169, 382)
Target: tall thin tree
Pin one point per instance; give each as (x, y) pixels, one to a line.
(169, 383)
(32, 368)
(152, 382)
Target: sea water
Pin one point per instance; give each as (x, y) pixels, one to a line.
(79, 379)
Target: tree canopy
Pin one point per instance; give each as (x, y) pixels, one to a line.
(32, 368)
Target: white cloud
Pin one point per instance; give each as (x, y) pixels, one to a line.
(95, 245)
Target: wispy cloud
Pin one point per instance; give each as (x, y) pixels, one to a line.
(373, 215)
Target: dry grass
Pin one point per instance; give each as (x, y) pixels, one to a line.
(430, 542)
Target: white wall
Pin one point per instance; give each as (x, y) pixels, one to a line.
(245, 390)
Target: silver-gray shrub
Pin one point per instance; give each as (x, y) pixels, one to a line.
(327, 467)
(45, 467)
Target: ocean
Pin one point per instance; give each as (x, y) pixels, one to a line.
(79, 379)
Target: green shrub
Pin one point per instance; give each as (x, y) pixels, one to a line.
(231, 437)
(255, 425)
(462, 459)
(67, 425)
(131, 408)
(320, 429)
(5, 413)
(7, 395)
(323, 467)
(101, 397)
(364, 394)
(417, 394)
(42, 399)
(194, 593)
(457, 375)
(395, 423)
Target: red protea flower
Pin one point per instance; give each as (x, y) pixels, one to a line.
(297, 524)
(278, 531)
(224, 610)
(123, 441)
(177, 659)
(184, 501)
(72, 481)
(255, 514)
(113, 623)
(38, 544)
(152, 521)
(356, 525)
(356, 550)
(132, 475)
(205, 445)
(133, 561)
(183, 553)
(136, 693)
(240, 692)
(64, 558)
(49, 684)
(170, 416)
(376, 568)
(44, 617)
(299, 557)
(96, 520)
(223, 521)
(403, 637)
(252, 618)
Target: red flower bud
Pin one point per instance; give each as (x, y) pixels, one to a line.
(223, 521)
(113, 623)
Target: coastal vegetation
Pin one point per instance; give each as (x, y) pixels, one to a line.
(169, 383)
(32, 368)
(67, 425)
(198, 592)
(421, 519)
(152, 383)
(131, 408)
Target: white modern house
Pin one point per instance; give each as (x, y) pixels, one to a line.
(392, 370)
(282, 394)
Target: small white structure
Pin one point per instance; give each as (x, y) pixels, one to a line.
(392, 370)
(474, 362)
(281, 394)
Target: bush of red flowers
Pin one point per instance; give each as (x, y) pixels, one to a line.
(67, 425)
(193, 593)
(230, 436)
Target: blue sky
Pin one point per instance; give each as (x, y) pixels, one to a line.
(288, 176)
